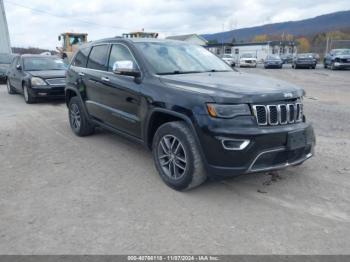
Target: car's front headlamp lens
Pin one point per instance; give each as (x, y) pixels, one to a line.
(37, 81)
(228, 111)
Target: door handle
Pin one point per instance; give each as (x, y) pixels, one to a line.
(105, 79)
(81, 74)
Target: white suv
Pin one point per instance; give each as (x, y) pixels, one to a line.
(247, 60)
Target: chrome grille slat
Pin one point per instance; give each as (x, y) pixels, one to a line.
(278, 114)
(56, 81)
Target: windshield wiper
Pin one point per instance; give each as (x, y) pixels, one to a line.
(178, 72)
(214, 70)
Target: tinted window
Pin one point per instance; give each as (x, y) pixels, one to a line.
(120, 53)
(15, 62)
(42, 63)
(98, 57)
(81, 58)
(179, 57)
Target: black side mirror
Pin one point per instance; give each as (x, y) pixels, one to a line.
(19, 67)
(59, 38)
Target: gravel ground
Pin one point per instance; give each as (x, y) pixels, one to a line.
(60, 194)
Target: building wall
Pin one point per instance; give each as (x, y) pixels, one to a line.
(5, 46)
(260, 51)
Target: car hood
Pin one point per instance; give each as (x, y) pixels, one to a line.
(343, 56)
(246, 58)
(234, 87)
(273, 60)
(48, 74)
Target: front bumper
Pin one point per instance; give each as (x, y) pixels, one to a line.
(247, 64)
(47, 91)
(306, 64)
(341, 65)
(272, 65)
(3, 76)
(267, 150)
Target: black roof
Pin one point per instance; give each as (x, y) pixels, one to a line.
(119, 39)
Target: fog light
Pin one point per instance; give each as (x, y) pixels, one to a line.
(42, 94)
(235, 144)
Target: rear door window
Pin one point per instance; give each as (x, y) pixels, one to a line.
(98, 57)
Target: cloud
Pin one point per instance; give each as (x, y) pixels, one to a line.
(38, 22)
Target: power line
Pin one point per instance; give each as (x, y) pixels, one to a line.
(61, 16)
(77, 20)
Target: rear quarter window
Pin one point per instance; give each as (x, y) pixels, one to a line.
(81, 58)
(98, 57)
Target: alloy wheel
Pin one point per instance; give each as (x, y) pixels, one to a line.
(25, 93)
(75, 117)
(172, 157)
(8, 86)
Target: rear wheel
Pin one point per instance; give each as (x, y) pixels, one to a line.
(79, 123)
(176, 156)
(10, 89)
(28, 98)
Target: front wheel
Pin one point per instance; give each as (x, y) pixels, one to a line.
(177, 157)
(79, 123)
(28, 98)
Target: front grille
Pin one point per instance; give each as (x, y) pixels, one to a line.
(345, 60)
(280, 114)
(56, 81)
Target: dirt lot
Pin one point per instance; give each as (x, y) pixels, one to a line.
(102, 195)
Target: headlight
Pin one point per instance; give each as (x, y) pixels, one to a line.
(37, 81)
(228, 111)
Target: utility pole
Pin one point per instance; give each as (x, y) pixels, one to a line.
(5, 46)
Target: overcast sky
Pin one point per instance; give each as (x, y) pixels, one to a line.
(105, 18)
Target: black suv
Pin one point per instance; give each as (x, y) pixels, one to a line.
(197, 115)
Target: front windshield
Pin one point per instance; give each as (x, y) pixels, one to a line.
(180, 58)
(5, 59)
(43, 63)
(342, 52)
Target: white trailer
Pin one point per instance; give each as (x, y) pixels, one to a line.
(5, 46)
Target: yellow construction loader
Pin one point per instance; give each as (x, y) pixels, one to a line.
(70, 42)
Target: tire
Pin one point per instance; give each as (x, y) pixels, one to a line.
(324, 65)
(78, 121)
(28, 98)
(332, 66)
(10, 88)
(177, 157)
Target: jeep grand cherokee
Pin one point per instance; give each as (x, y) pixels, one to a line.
(198, 116)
